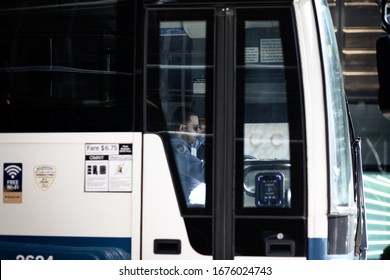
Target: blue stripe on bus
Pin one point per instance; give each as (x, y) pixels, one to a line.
(64, 248)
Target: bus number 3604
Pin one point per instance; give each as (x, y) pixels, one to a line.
(32, 257)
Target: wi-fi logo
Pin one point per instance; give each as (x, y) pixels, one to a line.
(12, 170)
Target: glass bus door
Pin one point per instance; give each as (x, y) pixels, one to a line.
(223, 94)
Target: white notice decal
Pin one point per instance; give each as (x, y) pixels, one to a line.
(271, 51)
(108, 167)
(199, 86)
(251, 55)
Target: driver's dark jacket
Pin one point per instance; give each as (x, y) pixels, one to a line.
(191, 169)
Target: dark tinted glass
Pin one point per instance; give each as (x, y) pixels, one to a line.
(66, 67)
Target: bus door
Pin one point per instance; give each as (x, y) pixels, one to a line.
(236, 68)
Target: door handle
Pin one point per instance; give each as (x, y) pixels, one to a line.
(167, 246)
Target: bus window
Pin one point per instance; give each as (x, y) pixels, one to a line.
(341, 204)
(338, 129)
(266, 134)
(270, 182)
(268, 95)
(374, 129)
(179, 79)
(66, 69)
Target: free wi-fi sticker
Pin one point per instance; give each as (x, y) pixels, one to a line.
(12, 182)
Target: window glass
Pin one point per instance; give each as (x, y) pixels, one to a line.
(66, 67)
(266, 135)
(374, 131)
(271, 161)
(179, 79)
(338, 129)
(268, 92)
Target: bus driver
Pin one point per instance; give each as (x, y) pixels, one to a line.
(185, 142)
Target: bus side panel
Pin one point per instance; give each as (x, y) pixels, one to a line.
(164, 234)
(62, 208)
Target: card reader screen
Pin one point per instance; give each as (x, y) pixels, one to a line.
(269, 190)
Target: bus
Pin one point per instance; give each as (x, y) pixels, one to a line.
(92, 151)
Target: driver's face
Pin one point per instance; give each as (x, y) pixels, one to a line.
(192, 129)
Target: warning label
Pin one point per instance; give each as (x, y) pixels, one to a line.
(108, 167)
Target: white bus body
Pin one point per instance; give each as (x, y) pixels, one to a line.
(94, 173)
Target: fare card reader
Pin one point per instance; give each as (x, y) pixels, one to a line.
(269, 190)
